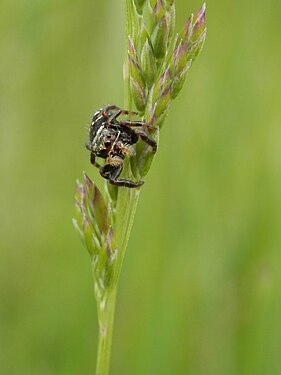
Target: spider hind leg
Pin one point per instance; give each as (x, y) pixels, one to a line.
(111, 173)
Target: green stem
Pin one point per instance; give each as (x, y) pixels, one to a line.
(106, 308)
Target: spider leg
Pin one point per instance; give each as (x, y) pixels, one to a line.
(112, 173)
(114, 116)
(119, 112)
(112, 107)
(93, 160)
(147, 139)
(105, 170)
(136, 124)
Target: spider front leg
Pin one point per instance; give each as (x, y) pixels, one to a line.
(136, 124)
(111, 173)
(113, 107)
(93, 160)
(119, 111)
(147, 139)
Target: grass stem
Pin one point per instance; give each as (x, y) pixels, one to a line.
(106, 310)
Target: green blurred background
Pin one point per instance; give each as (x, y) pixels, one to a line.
(200, 291)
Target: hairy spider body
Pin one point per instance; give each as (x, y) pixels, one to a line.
(113, 140)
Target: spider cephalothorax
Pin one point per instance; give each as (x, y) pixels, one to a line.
(113, 140)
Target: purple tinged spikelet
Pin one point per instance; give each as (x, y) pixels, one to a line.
(179, 58)
(201, 15)
(92, 215)
(137, 84)
(188, 29)
(187, 48)
(199, 26)
(148, 64)
(136, 79)
(165, 79)
(132, 50)
(95, 205)
(138, 95)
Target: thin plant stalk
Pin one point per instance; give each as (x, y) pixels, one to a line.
(106, 312)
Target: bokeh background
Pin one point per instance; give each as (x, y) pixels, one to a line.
(200, 291)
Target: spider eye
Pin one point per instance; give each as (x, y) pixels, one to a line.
(107, 143)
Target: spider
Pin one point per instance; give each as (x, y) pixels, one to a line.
(113, 140)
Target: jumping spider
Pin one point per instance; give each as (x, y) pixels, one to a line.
(112, 139)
